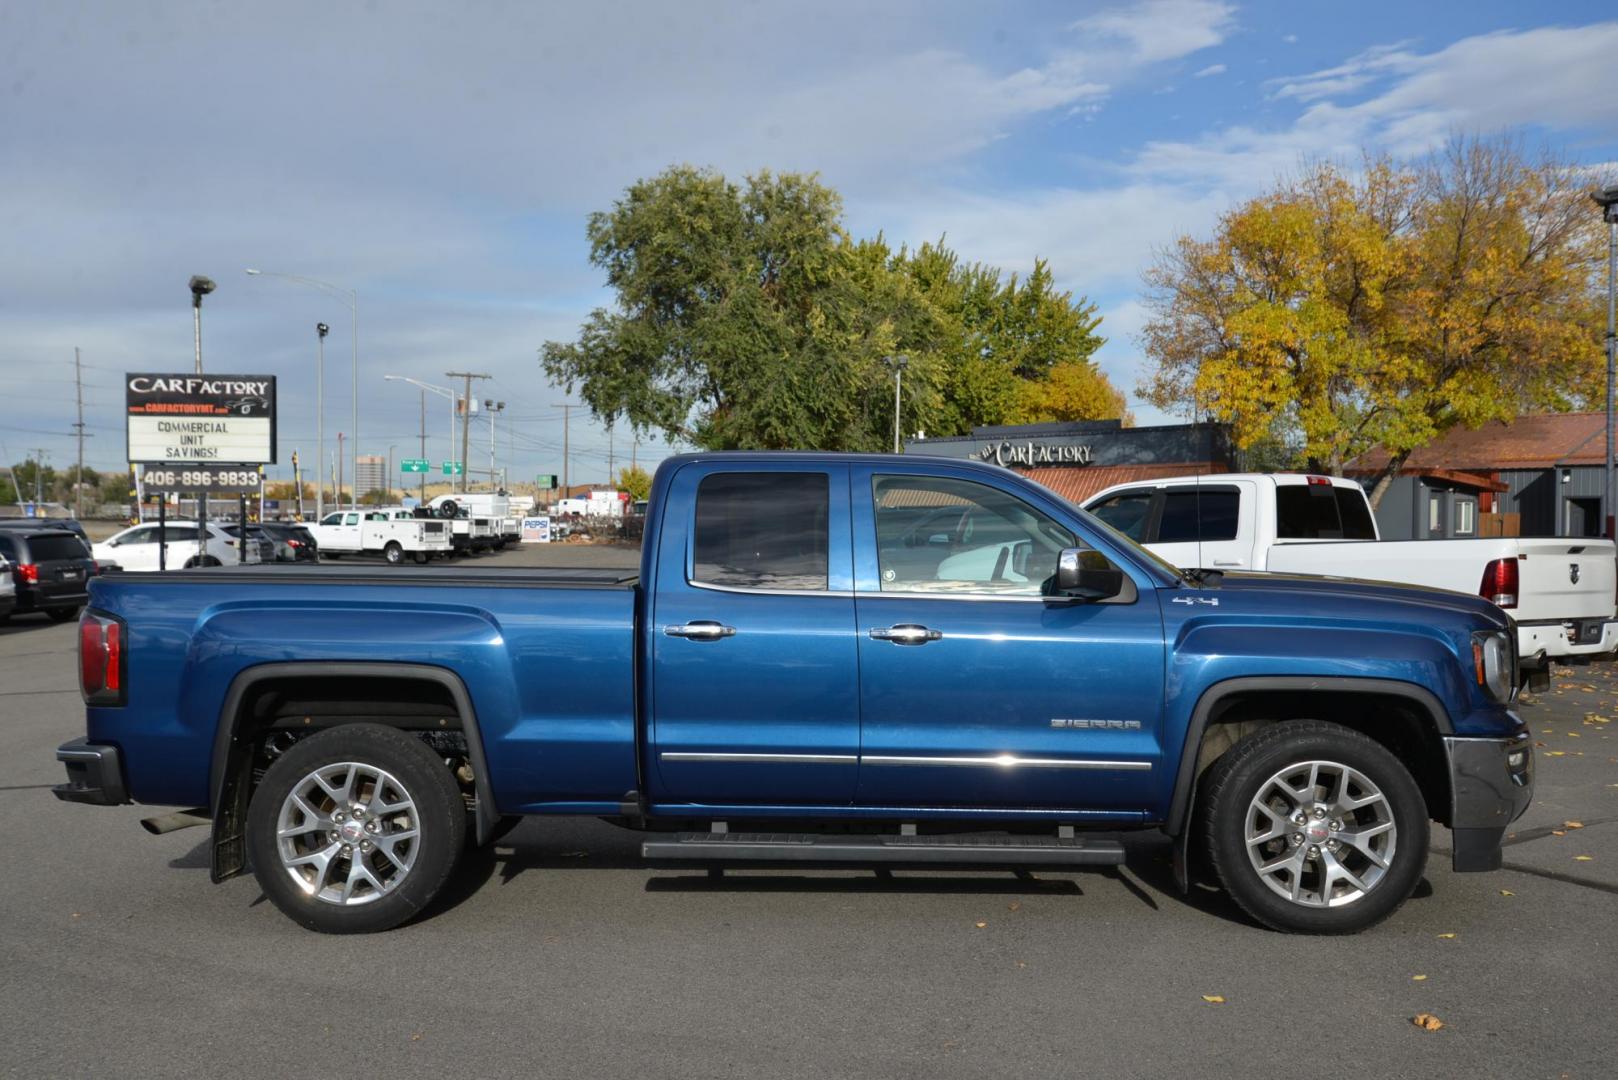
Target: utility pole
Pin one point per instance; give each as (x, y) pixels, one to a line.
(567, 415)
(422, 497)
(78, 393)
(338, 496)
(466, 416)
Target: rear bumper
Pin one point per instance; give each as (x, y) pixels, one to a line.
(95, 774)
(1492, 782)
(1545, 640)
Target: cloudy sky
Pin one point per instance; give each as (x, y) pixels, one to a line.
(441, 159)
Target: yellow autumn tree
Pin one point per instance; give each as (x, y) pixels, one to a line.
(1343, 311)
(1071, 390)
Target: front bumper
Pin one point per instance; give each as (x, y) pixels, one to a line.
(1492, 781)
(95, 774)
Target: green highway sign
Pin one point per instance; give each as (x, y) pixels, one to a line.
(413, 465)
(453, 468)
(546, 483)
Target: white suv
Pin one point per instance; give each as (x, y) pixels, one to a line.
(137, 547)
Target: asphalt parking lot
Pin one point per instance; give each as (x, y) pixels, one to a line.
(560, 954)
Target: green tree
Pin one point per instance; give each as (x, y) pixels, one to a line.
(33, 479)
(634, 480)
(746, 317)
(1341, 312)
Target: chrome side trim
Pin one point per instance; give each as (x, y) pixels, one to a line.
(806, 759)
(1007, 761)
(845, 594)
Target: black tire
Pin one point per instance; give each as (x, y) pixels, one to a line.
(1227, 795)
(393, 551)
(421, 558)
(448, 508)
(440, 821)
(63, 614)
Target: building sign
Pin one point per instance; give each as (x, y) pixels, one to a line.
(201, 419)
(189, 478)
(536, 530)
(1029, 454)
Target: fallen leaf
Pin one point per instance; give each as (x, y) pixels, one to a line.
(1556, 753)
(981, 924)
(1022, 963)
(1507, 892)
(1214, 999)
(1558, 832)
(1015, 905)
(1584, 858)
(1427, 1022)
(1418, 978)
(415, 1036)
(1447, 937)
(1572, 824)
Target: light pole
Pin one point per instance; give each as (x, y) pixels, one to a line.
(441, 391)
(321, 330)
(898, 364)
(492, 408)
(388, 479)
(200, 287)
(351, 297)
(1607, 199)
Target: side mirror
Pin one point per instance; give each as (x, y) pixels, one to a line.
(1086, 574)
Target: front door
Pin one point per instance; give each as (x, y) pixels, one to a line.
(1206, 526)
(977, 689)
(752, 677)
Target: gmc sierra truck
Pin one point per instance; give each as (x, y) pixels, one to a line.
(809, 670)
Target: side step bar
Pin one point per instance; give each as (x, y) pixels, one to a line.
(963, 852)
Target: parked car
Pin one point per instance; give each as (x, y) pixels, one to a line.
(70, 524)
(785, 683)
(395, 533)
(8, 589)
(1559, 590)
(181, 545)
(288, 543)
(50, 571)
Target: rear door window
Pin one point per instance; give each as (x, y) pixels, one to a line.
(1198, 514)
(1356, 514)
(1127, 512)
(763, 531)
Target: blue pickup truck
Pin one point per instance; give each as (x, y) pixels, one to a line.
(825, 660)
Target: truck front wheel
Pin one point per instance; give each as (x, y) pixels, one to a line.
(1314, 828)
(356, 829)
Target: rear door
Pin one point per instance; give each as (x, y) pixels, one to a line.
(752, 680)
(1206, 526)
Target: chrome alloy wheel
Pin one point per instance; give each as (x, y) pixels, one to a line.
(348, 833)
(1320, 834)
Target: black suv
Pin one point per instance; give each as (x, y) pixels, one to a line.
(292, 542)
(52, 569)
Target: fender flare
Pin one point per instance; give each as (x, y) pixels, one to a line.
(1178, 820)
(228, 846)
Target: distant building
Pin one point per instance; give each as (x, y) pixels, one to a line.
(370, 474)
(1539, 475)
(1078, 459)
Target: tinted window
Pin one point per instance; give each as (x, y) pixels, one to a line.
(1183, 508)
(1356, 514)
(180, 533)
(8, 547)
(1127, 512)
(1306, 512)
(51, 548)
(953, 536)
(763, 530)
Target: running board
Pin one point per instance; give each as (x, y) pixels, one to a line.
(965, 852)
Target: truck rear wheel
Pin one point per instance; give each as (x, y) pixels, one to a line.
(356, 829)
(393, 552)
(1314, 828)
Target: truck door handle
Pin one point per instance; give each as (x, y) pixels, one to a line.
(905, 634)
(1227, 562)
(702, 630)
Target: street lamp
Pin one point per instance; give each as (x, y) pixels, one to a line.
(1607, 199)
(898, 364)
(441, 391)
(200, 287)
(321, 330)
(351, 297)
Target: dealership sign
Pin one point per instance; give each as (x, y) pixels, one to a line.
(1033, 453)
(200, 419)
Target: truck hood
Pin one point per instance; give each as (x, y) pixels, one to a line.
(1389, 600)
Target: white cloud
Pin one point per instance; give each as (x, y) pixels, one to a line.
(1211, 69)
(1162, 29)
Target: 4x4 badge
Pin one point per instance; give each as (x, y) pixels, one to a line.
(1211, 601)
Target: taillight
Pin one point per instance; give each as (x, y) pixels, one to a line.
(1500, 583)
(27, 573)
(101, 659)
(295, 543)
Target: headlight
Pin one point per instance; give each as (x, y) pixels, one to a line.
(1491, 662)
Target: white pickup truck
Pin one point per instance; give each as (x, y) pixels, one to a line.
(1560, 591)
(504, 526)
(392, 532)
